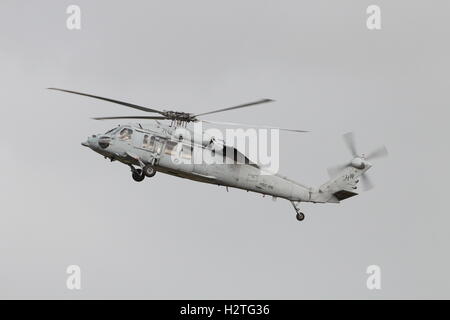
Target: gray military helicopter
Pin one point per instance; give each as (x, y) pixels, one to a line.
(150, 148)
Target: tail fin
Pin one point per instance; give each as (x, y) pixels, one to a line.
(345, 177)
(342, 186)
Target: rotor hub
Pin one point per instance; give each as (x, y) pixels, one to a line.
(358, 163)
(179, 116)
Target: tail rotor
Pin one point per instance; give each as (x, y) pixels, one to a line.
(359, 161)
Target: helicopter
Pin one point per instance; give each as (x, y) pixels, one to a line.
(159, 147)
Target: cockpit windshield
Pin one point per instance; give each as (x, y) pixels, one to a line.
(112, 131)
(125, 134)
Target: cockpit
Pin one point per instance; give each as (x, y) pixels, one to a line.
(125, 134)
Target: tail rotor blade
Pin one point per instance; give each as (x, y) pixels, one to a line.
(377, 153)
(366, 182)
(334, 171)
(349, 139)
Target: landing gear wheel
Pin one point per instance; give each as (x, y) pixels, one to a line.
(138, 175)
(149, 170)
(300, 216)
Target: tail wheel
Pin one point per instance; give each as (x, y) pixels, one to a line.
(138, 175)
(149, 170)
(300, 216)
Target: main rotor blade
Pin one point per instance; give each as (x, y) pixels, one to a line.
(130, 117)
(134, 106)
(335, 170)
(255, 126)
(377, 153)
(349, 139)
(236, 107)
(366, 182)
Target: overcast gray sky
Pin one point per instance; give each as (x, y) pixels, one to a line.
(62, 204)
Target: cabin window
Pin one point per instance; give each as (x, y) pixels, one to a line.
(170, 147)
(158, 145)
(125, 134)
(152, 142)
(187, 152)
(148, 142)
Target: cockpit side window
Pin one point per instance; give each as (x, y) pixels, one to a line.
(125, 134)
(148, 142)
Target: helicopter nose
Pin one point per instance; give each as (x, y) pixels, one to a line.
(90, 142)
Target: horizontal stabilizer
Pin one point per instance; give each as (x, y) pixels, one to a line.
(344, 194)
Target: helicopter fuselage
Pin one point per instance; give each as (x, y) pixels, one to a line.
(137, 146)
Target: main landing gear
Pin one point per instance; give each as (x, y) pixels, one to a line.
(300, 216)
(149, 170)
(139, 174)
